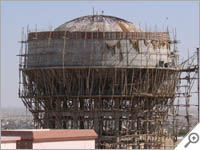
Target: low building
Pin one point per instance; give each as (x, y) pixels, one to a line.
(9, 142)
(50, 139)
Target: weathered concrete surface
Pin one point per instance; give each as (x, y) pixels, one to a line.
(95, 52)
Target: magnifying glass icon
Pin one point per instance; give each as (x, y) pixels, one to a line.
(193, 138)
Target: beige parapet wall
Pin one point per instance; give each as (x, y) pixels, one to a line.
(48, 139)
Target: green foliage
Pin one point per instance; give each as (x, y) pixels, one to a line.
(183, 132)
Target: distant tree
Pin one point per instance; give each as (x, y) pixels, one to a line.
(183, 132)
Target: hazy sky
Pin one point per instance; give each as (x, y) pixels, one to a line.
(180, 15)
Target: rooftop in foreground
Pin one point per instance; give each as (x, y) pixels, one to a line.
(38, 135)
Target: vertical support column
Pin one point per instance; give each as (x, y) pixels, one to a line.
(96, 115)
(117, 118)
(100, 118)
(74, 116)
(198, 81)
(58, 117)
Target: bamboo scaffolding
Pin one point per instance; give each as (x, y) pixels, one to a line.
(126, 106)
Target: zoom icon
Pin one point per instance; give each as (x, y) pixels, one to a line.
(192, 138)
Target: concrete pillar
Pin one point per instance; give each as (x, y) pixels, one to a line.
(75, 114)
